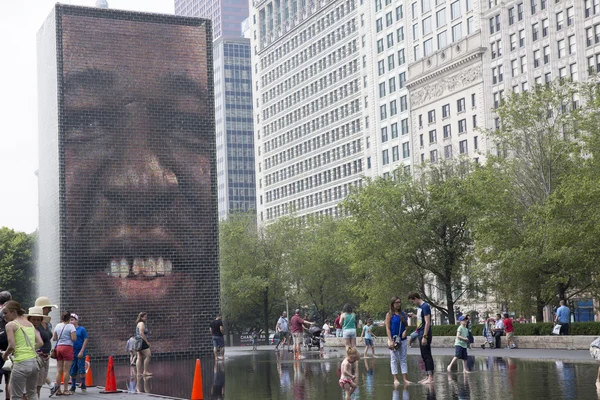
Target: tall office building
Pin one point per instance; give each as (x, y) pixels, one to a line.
(226, 15)
(308, 105)
(236, 176)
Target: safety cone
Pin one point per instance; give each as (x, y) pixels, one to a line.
(111, 380)
(88, 372)
(197, 393)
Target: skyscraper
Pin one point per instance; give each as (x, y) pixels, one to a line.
(226, 15)
(233, 101)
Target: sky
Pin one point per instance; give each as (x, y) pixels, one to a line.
(19, 23)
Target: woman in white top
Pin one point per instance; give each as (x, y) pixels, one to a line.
(64, 335)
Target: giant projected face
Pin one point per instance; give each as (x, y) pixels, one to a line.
(138, 147)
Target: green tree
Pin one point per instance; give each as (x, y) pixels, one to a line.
(17, 264)
(406, 231)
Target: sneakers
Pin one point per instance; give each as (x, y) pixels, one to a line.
(53, 390)
(514, 346)
(73, 388)
(507, 347)
(483, 346)
(83, 387)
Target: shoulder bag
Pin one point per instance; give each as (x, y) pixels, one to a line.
(53, 352)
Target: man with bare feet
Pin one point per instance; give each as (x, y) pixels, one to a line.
(425, 334)
(216, 330)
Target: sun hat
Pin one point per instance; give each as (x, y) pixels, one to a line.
(461, 318)
(44, 302)
(75, 316)
(37, 312)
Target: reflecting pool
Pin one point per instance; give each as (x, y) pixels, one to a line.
(277, 376)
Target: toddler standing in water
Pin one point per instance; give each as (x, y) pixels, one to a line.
(349, 371)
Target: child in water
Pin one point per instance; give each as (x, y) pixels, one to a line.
(349, 371)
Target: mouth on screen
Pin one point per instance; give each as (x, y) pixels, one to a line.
(140, 267)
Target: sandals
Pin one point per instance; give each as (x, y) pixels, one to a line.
(67, 393)
(59, 392)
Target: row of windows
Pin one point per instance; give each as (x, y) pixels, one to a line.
(333, 135)
(391, 62)
(291, 117)
(318, 66)
(394, 130)
(385, 154)
(463, 149)
(328, 195)
(592, 7)
(454, 7)
(303, 92)
(317, 161)
(447, 131)
(339, 172)
(383, 109)
(391, 84)
(311, 51)
(317, 104)
(442, 39)
(460, 108)
(307, 34)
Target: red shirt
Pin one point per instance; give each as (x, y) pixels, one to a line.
(508, 326)
(336, 323)
(296, 324)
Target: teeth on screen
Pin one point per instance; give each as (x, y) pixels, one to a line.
(138, 266)
(168, 267)
(124, 268)
(149, 267)
(160, 267)
(114, 268)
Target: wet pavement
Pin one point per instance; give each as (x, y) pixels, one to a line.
(269, 375)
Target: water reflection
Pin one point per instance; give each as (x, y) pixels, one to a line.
(277, 376)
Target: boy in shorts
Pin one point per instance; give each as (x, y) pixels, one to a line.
(367, 335)
(460, 344)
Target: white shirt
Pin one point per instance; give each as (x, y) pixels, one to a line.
(499, 324)
(283, 324)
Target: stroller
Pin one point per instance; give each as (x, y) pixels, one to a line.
(312, 338)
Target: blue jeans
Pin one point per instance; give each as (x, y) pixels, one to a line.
(78, 367)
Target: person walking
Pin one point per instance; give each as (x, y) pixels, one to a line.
(367, 335)
(216, 331)
(348, 322)
(23, 340)
(425, 334)
(298, 325)
(460, 345)
(5, 297)
(510, 331)
(143, 350)
(130, 349)
(395, 327)
(283, 328)
(79, 347)
(498, 331)
(64, 336)
(36, 317)
(595, 353)
(563, 318)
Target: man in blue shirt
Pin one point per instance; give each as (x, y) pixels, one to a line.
(424, 332)
(563, 317)
(79, 346)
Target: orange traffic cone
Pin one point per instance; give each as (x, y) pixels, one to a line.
(197, 393)
(88, 372)
(111, 381)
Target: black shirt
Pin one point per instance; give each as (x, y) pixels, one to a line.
(46, 335)
(215, 327)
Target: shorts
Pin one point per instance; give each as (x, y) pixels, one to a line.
(64, 353)
(298, 337)
(218, 342)
(368, 342)
(349, 334)
(509, 335)
(344, 381)
(78, 366)
(595, 353)
(144, 346)
(43, 372)
(460, 352)
(284, 335)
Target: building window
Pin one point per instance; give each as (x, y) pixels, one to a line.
(403, 103)
(404, 126)
(536, 58)
(448, 151)
(415, 30)
(470, 25)
(446, 111)
(513, 41)
(440, 17)
(379, 24)
(548, 78)
(405, 150)
(442, 39)
(511, 16)
(433, 156)
(390, 40)
(432, 136)
(474, 121)
(513, 66)
(473, 100)
(447, 131)
(381, 67)
(534, 31)
(571, 44)
(573, 71)
(384, 134)
(457, 32)
(462, 126)
(460, 105)
(399, 13)
(385, 157)
(570, 16)
(391, 61)
(378, 5)
(533, 6)
(402, 79)
(463, 147)
(392, 84)
(559, 20)
(520, 11)
(383, 112)
(400, 34)
(389, 19)
(393, 108)
(561, 48)
(545, 26)
(523, 64)
(401, 58)
(380, 46)
(546, 54)
(394, 130)
(428, 47)
(395, 154)
(425, 6)
(455, 10)
(427, 26)
(382, 89)
(522, 38)
(475, 142)
(492, 26)
(431, 116)
(421, 142)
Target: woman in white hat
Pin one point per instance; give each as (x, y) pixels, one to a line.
(36, 317)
